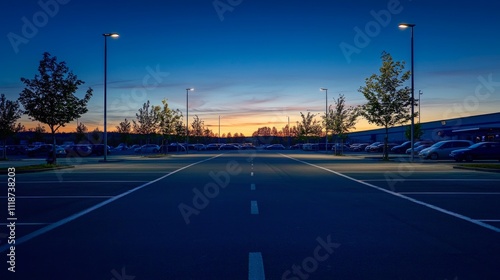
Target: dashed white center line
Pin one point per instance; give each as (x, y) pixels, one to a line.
(254, 207)
(252, 187)
(251, 173)
(255, 266)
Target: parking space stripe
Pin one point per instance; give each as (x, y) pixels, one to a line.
(439, 209)
(61, 196)
(76, 182)
(453, 193)
(26, 224)
(66, 220)
(255, 266)
(436, 180)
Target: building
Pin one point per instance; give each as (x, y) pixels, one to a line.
(475, 128)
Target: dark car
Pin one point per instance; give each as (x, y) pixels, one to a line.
(79, 150)
(296, 147)
(44, 150)
(478, 151)
(228, 147)
(380, 147)
(172, 148)
(14, 150)
(98, 149)
(400, 149)
(212, 146)
(275, 147)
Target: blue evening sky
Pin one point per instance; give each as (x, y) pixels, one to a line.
(255, 62)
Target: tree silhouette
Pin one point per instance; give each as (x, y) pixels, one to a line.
(9, 114)
(389, 102)
(49, 97)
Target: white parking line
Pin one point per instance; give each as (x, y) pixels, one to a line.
(26, 224)
(61, 196)
(436, 180)
(66, 220)
(490, 221)
(447, 193)
(252, 187)
(76, 182)
(439, 209)
(255, 266)
(254, 207)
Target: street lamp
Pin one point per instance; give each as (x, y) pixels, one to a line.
(419, 102)
(106, 35)
(326, 118)
(412, 130)
(187, 118)
(219, 129)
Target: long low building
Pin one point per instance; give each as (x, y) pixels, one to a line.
(475, 128)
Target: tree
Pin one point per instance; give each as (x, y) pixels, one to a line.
(9, 114)
(341, 119)
(148, 119)
(198, 126)
(38, 133)
(49, 97)
(417, 131)
(389, 102)
(81, 131)
(308, 125)
(96, 135)
(124, 128)
(169, 120)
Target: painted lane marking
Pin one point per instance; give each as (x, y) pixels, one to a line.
(66, 220)
(439, 209)
(254, 207)
(252, 187)
(452, 193)
(251, 173)
(26, 224)
(255, 266)
(61, 196)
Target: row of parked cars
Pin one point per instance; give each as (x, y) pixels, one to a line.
(458, 150)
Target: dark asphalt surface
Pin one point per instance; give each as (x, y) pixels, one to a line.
(311, 223)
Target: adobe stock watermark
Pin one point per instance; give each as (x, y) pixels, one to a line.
(211, 190)
(310, 264)
(362, 37)
(471, 103)
(31, 26)
(223, 6)
(121, 276)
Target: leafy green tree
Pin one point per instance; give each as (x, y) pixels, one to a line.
(341, 119)
(388, 101)
(9, 114)
(50, 96)
(308, 126)
(148, 119)
(169, 120)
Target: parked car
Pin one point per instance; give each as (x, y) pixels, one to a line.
(44, 150)
(275, 147)
(14, 150)
(98, 149)
(148, 148)
(213, 146)
(374, 144)
(296, 147)
(358, 147)
(172, 148)
(399, 149)
(133, 147)
(228, 147)
(79, 150)
(122, 147)
(199, 147)
(380, 147)
(441, 150)
(418, 149)
(247, 146)
(310, 147)
(478, 151)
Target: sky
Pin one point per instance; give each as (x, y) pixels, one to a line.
(255, 63)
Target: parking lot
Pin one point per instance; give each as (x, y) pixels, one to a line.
(52, 204)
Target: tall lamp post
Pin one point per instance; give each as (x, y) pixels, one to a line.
(219, 129)
(419, 102)
(106, 35)
(187, 118)
(412, 130)
(326, 118)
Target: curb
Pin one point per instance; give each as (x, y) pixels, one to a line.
(478, 169)
(39, 170)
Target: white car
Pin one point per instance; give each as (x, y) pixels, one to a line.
(148, 148)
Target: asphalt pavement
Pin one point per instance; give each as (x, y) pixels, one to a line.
(253, 215)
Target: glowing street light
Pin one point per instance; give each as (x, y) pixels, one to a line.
(412, 130)
(106, 35)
